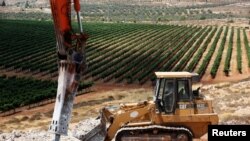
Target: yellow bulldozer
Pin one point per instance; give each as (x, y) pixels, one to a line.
(177, 113)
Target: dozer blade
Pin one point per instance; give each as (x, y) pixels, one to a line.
(98, 133)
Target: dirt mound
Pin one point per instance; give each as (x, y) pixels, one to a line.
(231, 101)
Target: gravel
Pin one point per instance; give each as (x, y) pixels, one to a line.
(84, 127)
(33, 135)
(78, 131)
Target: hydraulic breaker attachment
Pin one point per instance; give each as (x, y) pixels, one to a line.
(71, 63)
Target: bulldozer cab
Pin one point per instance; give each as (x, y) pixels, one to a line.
(172, 88)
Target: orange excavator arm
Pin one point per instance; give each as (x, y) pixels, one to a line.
(71, 62)
(61, 12)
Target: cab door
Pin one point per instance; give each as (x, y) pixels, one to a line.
(166, 95)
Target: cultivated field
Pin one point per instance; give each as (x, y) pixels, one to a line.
(131, 53)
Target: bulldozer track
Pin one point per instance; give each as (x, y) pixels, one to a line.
(154, 132)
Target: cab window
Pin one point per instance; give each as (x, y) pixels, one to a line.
(183, 90)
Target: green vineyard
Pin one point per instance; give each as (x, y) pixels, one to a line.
(130, 53)
(16, 92)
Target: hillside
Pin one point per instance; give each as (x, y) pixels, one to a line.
(13, 2)
(133, 10)
(130, 53)
(22, 2)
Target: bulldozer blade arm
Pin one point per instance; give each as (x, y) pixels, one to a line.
(98, 133)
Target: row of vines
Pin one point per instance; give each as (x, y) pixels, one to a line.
(124, 52)
(16, 92)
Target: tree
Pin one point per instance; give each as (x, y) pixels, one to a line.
(3, 3)
(27, 5)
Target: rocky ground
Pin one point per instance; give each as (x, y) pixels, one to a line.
(83, 128)
(33, 135)
(78, 132)
(230, 100)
